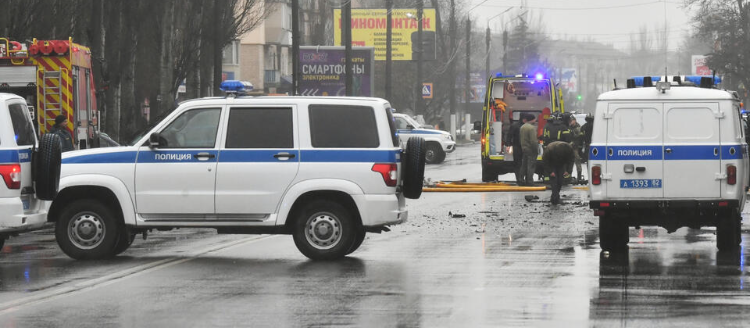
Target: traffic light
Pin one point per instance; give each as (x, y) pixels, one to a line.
(578, 97)
(428, 45)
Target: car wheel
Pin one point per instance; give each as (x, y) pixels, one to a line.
(434, 153)
(324, 230)
(47, 166)
(87, 230)
(729, 231)
(488, 175)
(359, 238)
(413, 167)
(613, 234)
(124, 241)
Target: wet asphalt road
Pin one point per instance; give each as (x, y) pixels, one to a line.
(462, 260)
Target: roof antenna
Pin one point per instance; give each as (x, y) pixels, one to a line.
(615, 84)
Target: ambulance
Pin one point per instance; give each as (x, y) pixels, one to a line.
(508, 97)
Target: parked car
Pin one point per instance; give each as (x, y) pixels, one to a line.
(439, 143)
(245, 165)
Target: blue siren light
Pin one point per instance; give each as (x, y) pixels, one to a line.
(696, 79)
(539, 76)
(235, 86)
(499, 74)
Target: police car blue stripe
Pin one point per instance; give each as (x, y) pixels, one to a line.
(417, 131)
(176, 156)
(24, 155)
(9, 156)
(117, 157)
(732, 151)
(677, 152)
(350, 156)
(694, 152)
(633, 153)
(264, 155)
(238, 156)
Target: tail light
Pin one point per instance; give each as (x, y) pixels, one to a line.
(596, 175)
(482, 143)
(388, 172)
(11, 175)
(731, 174)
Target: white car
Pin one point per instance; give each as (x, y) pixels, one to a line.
(439, 143)
(245, 165)
(22, 194)
(670, 155)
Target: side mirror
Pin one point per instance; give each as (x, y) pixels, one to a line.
(477, 125)
(154, 140)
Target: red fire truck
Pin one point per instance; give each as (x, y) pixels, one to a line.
(56, 79)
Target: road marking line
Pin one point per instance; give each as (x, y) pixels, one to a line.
(111, 278)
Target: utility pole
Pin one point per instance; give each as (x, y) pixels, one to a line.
(487, 52)
(419, 110)
(452, 63)
(347, 40)
(389, 7)
(466, 82)
(295, 46)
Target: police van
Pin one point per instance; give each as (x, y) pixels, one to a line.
(29, 169)
(245, 165)
(668, 153)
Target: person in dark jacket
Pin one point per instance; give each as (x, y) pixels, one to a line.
(516, 147)
(557, 157)
(587, 134)
(60, 129)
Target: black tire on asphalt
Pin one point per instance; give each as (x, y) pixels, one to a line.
(324, 230)
(124, 241)
(729, 230)
(87, 230)
(47, 166)
(359, 238)
(413, 167)
(489, 175)
(434, 153)
(613, 234)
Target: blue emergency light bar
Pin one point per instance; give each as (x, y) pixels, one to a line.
(639, 80)
(696, 79)
(235, 86)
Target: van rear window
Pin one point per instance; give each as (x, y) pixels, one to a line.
(637, 123)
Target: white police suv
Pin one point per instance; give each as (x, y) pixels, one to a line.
(669, 154)
(325, 170)
(29, 170)
(438, 142)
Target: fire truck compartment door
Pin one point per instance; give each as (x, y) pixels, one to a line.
(18, 76)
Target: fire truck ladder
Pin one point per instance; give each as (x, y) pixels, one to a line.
(52, 87)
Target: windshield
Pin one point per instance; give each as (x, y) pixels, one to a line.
(135, 137)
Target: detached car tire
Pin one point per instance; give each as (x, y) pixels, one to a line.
(47, 161)
(324, 230)
(413, 167)
(87, 230)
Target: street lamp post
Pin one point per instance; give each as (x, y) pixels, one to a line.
(389, 7)
(419, 104)
(487, 43)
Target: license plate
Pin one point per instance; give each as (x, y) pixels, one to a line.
(641, 183)
(25, 203)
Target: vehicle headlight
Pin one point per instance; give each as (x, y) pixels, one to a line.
(448, 137)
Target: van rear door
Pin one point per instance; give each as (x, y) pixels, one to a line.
(634, 151)
(692, 150)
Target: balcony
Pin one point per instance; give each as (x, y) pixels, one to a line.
(271, 77)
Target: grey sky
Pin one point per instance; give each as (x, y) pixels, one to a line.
(607, 21)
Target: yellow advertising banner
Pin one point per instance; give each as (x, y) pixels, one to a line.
(369, 30)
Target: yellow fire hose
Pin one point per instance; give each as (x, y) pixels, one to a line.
(478, 187)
